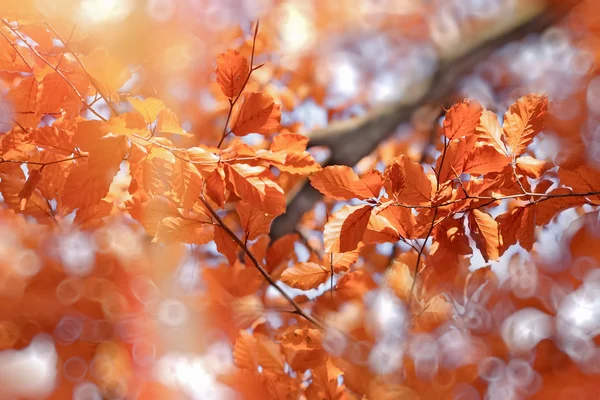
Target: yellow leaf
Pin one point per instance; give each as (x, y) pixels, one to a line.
(107, 73)
(149, 107)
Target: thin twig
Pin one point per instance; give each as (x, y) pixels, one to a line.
(259, 267)
(56, 69)
(233, 102)
(107, 101)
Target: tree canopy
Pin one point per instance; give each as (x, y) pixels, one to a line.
(299, 199)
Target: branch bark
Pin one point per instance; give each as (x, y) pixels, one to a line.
(351, 140)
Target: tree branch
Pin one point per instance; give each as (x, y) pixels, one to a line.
(353, 139)
(263, 272)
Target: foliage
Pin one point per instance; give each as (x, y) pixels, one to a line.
(110, 213)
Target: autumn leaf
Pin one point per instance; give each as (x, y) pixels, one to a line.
(186, 183)
(254, 221)
(34, 177)
(168, 122)
(484, 230)
(517, 225)
(341, 183)
(451, 163)
(396, 177)
(151, 212)
(149, 107)
(257, 114)
(532, 167)
(345, 228)
(107, 73)
(183, 230)
(232, 72)
(252, 185)
(280, 250)
(204, 160)
(225, 244)
(583, 179)
(398, 277)
(524, 120)
(462, 119)
(289, 142)
(305, 276)
(251, 351)
(490, 131)
(417, 188)
(485, 160)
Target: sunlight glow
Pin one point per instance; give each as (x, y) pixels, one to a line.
(96, 11)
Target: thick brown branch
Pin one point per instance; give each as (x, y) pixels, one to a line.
(351, 140)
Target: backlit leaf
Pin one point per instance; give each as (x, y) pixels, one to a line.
(232, 71)
(305, 276)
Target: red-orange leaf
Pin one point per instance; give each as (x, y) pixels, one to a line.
(182, 230)
(341, 183)
(305, 276)
(490, 131)
(418, 188)
(345, 228)
(524, 120)
(232, 71)
(252, 185)
(29, 187)
(257, 114)
(532, 167)
(484, 230)
(255, 222)
(462, 119)
(484, 160)
(225, 244)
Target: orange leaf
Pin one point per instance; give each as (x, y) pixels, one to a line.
(186, 183)
(582, 179)
(490, 131)
(225, 244)
(255, 222)
(257, 114)
(452, 163)
(484, 160)
(402, 219)
(289, 142)
(515, 225)
(107, 73)
(524, 120)
(305, 276)
(341, 262)
(251, 184)
(204, 160)
(151, 212)
(345, 228)
(396, 176)
(169, 123)
(532, 167)
(29, 187)
(418, 188)
(398, 277)
(183, 230)
(280, 249)
(462, 119)
(341, 183)
(484, 230)
(215, 187)
(232, 72)
(149, 107)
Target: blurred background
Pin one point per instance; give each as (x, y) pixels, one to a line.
(93, 311)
